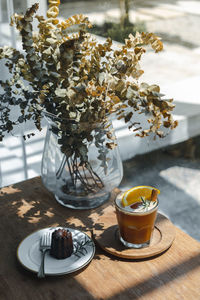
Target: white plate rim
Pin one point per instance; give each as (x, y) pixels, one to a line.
(57, 273)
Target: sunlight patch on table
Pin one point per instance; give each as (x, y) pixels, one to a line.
(25, 208)
(75, 221)
(49, 213)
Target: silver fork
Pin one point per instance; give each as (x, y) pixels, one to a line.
(45, 244)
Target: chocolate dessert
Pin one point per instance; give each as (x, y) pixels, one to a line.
(61, 244)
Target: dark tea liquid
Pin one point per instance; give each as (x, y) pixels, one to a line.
(135, 226)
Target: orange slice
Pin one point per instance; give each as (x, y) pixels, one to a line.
(134, 194)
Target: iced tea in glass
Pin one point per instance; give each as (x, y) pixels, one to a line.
(136, 221)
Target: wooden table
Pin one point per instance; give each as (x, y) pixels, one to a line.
(28, 206)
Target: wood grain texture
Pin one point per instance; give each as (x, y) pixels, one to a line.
(28, 206)
(108, 238)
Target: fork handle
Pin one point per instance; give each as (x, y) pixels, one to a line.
(41, 273)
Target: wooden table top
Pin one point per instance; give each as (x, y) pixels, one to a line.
(27, 206)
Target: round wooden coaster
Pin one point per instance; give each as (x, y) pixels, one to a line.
(108, 239)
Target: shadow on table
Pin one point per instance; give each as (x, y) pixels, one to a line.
(28, 206)
(148, 285)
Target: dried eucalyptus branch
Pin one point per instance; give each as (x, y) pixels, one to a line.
(66, 72)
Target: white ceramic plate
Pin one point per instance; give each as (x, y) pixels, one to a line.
(29, 255)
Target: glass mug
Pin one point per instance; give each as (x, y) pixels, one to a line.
(135, 226)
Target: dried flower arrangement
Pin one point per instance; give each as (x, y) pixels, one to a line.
(65, 72)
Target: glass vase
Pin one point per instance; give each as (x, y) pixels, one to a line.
(76, 184)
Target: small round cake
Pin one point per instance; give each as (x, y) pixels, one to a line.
(61, 244)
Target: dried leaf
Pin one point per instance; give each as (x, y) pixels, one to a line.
(81, 81)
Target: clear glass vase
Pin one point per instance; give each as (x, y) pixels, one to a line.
(80, 185)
